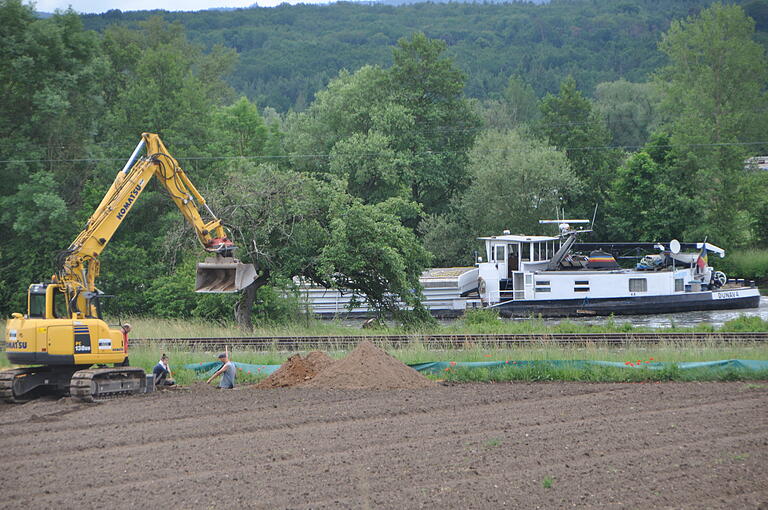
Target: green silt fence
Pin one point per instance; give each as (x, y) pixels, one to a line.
(435, 367)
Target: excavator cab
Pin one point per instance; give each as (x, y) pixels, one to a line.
(223, 274)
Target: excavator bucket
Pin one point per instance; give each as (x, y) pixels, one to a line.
(223, 274)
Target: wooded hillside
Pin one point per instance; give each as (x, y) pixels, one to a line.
(288, 53)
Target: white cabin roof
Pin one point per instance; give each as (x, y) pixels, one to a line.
(519, 238)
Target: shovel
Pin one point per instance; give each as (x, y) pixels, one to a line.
(223, 274)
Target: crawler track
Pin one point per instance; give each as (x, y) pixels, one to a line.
(7, 377)
(97, 384)
(455, 341)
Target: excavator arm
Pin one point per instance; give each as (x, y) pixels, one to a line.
(79, 264)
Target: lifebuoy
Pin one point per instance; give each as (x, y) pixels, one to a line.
(719, 279)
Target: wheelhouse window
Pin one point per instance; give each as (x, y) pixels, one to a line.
(581, 286)
(679, 284)
(525, 252)
(639, 284)
(500, 254)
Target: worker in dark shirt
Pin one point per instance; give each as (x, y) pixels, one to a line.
(162, 373)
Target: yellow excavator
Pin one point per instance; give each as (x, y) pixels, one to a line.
(62, 335)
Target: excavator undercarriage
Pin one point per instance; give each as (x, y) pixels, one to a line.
(19, 385)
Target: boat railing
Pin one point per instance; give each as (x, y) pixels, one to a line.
(513, 295)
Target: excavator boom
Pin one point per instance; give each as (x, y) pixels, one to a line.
(222, 273)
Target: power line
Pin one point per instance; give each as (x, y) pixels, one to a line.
(372, 154)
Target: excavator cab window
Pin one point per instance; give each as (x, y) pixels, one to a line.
(60, 304)
(95, 306)
(36, 304)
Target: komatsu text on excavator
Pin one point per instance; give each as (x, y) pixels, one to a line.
(63, 335)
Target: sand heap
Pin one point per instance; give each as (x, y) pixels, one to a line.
(297, 369)
(368, 367)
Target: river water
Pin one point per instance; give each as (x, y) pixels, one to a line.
(685, 319)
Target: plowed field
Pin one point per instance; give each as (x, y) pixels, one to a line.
(555, 445)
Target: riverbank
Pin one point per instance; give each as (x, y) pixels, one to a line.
(476, 321)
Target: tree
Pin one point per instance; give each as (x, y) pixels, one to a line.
(170, 87)
(517, 181)
(430, 87)
(289, 224)
(569, 123)
(647, 200)
(715, 99)
(50, 103)
(406, 129)
(241, 129)
(522, 101)
(371, 252)
(630, 110)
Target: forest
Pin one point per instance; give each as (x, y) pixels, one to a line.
(288, 53)
(353, 145)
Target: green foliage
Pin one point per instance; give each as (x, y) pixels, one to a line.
(631, 111)
(645, 195)
(745, 323)
(288, 53)
(480, 316)
(522, 101)
(714, 90)
(399, 132)
(538, 372)
(516, 181)
(746, 263)
(370, 251)
(390, 147)
(242, 129)
(570, 123)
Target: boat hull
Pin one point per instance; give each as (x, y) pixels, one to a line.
(635, 305)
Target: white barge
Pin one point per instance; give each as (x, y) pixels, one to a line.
(542, 275)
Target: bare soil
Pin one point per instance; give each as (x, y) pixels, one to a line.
(670, 445)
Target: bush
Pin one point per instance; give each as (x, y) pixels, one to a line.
(481, 317)
(745, 323)
(749, 264)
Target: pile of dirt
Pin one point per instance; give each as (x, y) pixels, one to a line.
(368, 367)
(297, 369)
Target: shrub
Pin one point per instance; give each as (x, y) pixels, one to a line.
(481, 317)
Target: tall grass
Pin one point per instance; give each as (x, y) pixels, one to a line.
(477, 322)
(541, 373)
(748, 263)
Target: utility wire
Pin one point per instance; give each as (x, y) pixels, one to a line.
(372, 154)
